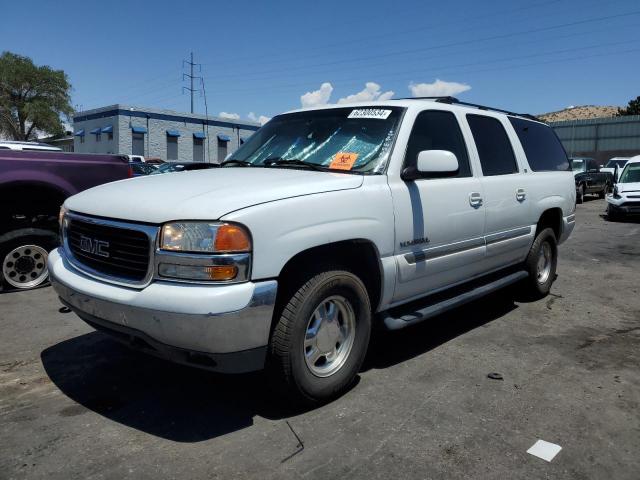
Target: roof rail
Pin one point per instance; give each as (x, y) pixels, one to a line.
(453, 100)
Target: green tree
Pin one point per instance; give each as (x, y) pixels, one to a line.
(32, 99)
(633, 108)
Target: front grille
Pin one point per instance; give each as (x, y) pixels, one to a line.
(109, 250)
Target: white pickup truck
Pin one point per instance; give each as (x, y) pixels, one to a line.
(323, 224)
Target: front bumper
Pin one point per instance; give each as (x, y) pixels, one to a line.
(624, 205)
(219, 327)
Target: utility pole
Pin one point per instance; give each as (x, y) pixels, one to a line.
(191, 76)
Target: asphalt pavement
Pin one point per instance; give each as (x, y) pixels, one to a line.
(75, 404)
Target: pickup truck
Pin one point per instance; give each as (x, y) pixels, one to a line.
(33, 186)
(589, 178)
(325, 223)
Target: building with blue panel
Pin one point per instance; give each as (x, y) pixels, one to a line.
(156, 133)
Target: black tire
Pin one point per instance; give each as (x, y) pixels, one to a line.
(26, 278)
(287, 364)
(537, 286)
(612, 215)
(580, 194)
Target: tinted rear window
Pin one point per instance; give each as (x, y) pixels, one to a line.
(541, 145)
(494, 147)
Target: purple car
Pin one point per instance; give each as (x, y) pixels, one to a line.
(33, 186)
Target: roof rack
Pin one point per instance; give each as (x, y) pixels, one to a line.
(454, 101)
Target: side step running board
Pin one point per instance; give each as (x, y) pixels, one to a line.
(411, 317)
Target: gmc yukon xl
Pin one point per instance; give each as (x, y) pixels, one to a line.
(325, 223)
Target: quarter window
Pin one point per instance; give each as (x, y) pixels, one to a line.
(494, 147)
(437, 130)
(541, 146)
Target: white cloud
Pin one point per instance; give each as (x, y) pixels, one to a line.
(230, 116)
(317, 98)
(371, 92)
(260, 119)
(438, 88)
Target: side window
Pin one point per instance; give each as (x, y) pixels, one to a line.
(437, 130)
(494, 147)
(541, 146)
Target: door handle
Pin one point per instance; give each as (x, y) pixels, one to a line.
(521, 195)
(475, 199)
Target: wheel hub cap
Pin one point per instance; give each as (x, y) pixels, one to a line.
(544, 263)
(329, 336)
(25, 266)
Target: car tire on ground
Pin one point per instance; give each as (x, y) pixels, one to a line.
(580, 194)
(24, 259)
(604, 191)
(541, 263)
(321, 337)
(612, 215)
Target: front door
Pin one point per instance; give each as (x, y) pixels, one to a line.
(439, 221)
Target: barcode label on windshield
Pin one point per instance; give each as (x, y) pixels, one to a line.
(370, 113)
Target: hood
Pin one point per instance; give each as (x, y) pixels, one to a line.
(628, 187)
(203, 194)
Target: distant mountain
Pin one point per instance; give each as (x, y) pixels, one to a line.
(581, 112)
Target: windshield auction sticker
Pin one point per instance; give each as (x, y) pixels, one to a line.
(343, 160)
(376, 113)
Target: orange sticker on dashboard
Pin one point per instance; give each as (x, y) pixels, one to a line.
(343, 160)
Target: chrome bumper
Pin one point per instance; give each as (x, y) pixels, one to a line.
(220, 327)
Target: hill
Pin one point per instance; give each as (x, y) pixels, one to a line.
(582, 112)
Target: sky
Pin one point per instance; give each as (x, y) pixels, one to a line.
(258, 59)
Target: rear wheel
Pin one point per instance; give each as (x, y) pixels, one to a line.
(24, 261)
(605, 190)
(541, 264)
(580, 194)
(321, 338)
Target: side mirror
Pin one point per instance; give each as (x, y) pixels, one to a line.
(432, 163)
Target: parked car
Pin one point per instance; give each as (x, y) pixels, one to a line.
(139, 169)
(169, 167)
(33, 185)
(614, 162)
(29, 146)
(325, 222)
(589, 178)
(625, 199)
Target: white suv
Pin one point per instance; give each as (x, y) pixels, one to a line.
(325, 222)
(625, 199)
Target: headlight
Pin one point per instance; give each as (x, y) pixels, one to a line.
(204, 237)
(204, 251)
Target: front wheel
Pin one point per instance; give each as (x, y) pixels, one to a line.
(321, 338)
(612, 215)
(541, 264)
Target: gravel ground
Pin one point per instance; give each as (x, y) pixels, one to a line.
(75, 404)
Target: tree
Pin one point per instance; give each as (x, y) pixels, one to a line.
(32, 99)
(633, 108)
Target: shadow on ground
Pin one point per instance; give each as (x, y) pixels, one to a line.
(185, 404)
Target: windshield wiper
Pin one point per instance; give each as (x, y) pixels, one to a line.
(295, 162)
(234, 161)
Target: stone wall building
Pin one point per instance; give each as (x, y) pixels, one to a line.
(156, 133)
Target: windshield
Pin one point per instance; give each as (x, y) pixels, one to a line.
(631, 173)
(577, 164)
(345, 139)
(615, 163)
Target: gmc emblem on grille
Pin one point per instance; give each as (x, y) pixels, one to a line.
(94, 246)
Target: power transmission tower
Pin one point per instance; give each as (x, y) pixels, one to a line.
(191, 76)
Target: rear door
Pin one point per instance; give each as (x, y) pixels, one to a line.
(439, 221)
(508, 230)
